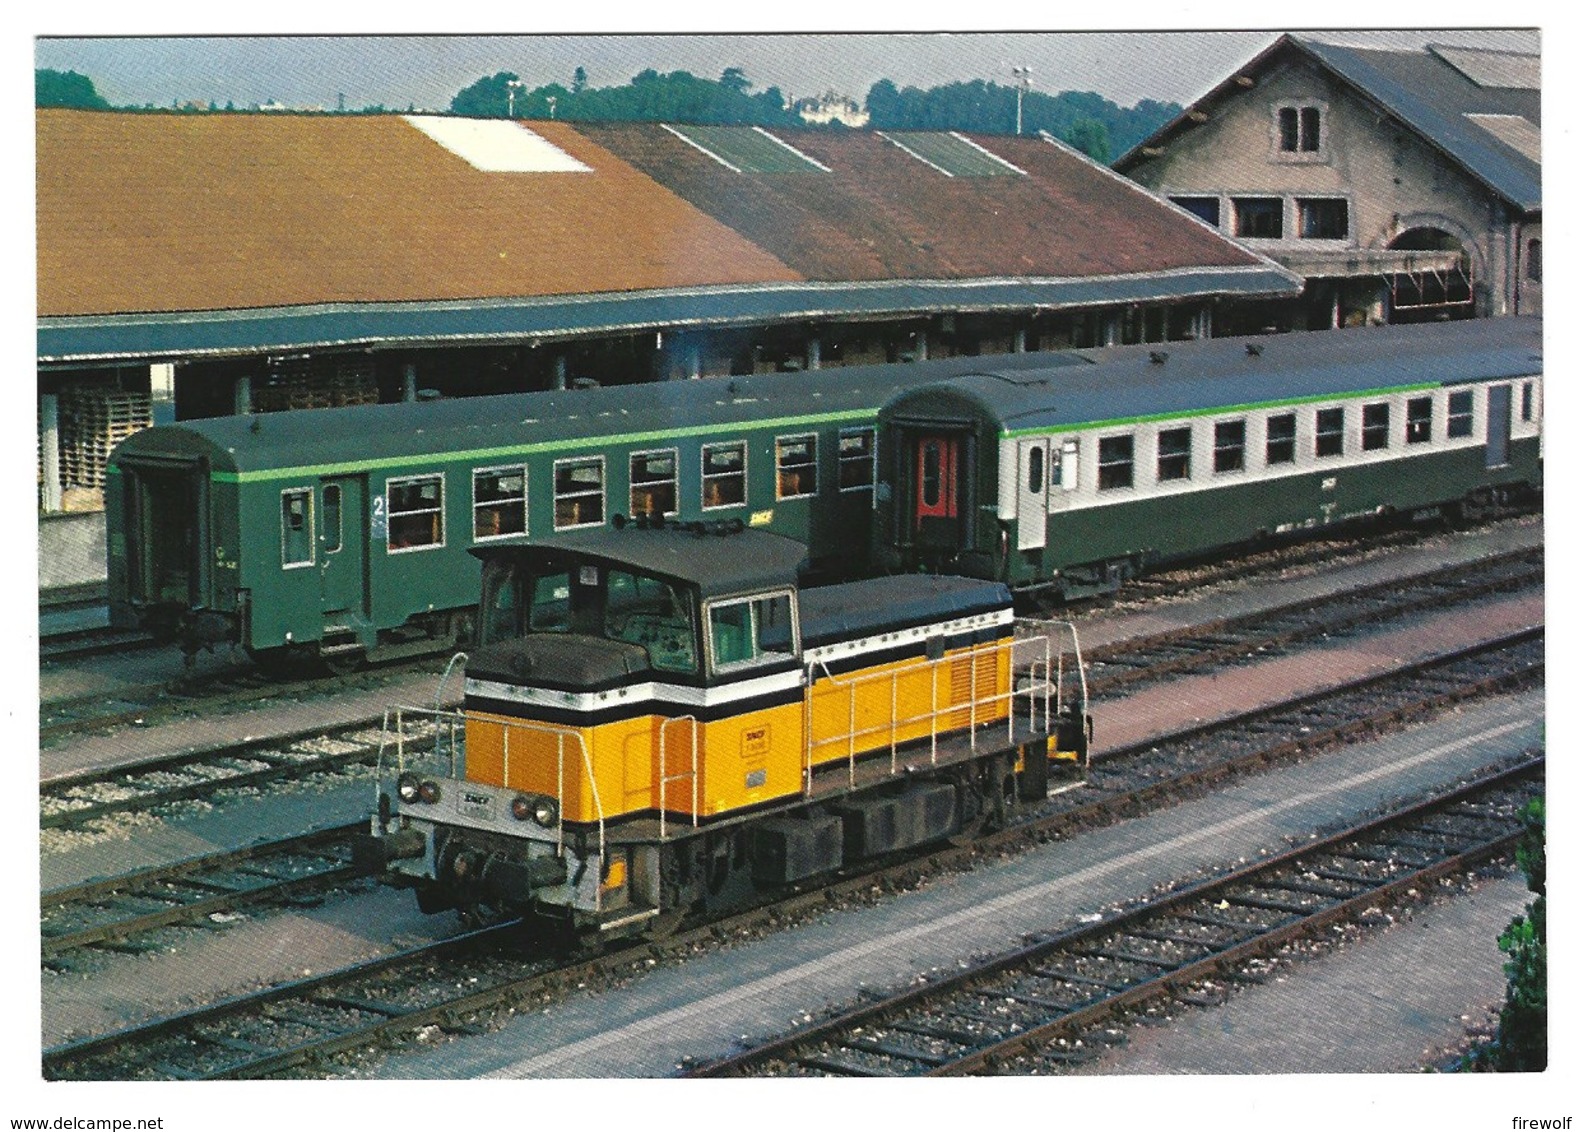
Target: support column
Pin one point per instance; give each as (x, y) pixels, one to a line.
(242, 396)
(921, 354)
(558, 381)
(813, 352)
(1019, 340)
(409, 381)
(49, 451)
(162, 392)
(1110, 329)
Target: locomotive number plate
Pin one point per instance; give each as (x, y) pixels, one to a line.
(476, 804)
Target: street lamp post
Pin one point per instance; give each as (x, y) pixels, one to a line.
(1024, 78)
(512, 86)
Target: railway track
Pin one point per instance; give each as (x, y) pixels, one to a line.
(1026, 1011)
(115, 914)
(454, 988)
(73, 801)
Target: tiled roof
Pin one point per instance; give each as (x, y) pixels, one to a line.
(882, 213)
(167, 212)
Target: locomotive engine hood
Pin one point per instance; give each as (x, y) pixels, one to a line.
(569, 662)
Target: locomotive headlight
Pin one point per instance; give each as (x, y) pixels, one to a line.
(522, 807)
(429, 791)
(407, 788)
(546, 812)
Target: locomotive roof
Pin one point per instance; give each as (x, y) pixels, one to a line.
(718, 558)
(1186, 378)
(354, 437)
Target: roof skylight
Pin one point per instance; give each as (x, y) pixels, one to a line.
(495, 145)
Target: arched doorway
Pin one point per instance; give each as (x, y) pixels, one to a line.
(1435, 286)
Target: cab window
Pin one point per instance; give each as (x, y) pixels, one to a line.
(747, 631)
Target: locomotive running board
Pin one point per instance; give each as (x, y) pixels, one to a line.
(623, 921)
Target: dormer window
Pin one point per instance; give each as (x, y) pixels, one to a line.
(1299, 131)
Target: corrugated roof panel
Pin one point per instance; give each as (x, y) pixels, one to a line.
(1510, 70)
(952, 154)
(748, 149)
(1513, 129)
(495, 145)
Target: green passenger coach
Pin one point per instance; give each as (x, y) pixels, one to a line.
(1073, 480)
(343, 533)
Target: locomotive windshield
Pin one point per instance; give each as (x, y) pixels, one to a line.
(614, 603)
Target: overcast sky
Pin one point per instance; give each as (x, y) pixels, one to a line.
(427, 70)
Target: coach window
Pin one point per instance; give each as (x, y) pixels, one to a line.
(417, 512)
(1329, 430)
(1280, 439)
(1036, 469)
(796, 466)
(856, 472)
(1230, 445)
(1459, 414)
(1115, 462)
(1176, 447)
(296, 527)
(654, 483)
(1420, 412)
(1376, 426)
(725, 474)
(579, 493)
(500, 502)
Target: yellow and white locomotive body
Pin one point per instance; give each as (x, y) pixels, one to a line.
(660, 719)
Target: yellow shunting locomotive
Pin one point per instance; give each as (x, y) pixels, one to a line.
(658, 719)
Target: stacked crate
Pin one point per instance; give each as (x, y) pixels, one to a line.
(297, 384)
(92, 422)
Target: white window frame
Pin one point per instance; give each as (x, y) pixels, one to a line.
(705, 475)
(1215, 448)
(523, 468)
(842, 461)
(390, 514)
(676, 478)
(813, 441)
(309, 533)
(556, 496)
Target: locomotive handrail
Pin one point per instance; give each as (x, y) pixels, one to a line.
(894, 723)
(692, 774)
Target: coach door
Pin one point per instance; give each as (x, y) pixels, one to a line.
(1033, 492)
(343, 541)
(937, 476)
(1498, 427)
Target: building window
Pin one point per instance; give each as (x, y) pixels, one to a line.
(1257, 218)
(1321, 218)
(1328, 432)
(1459, 414)
(579, 493)
(1299, 126)
(1206, 209)
(653, 483)
(417, 512)
(1115, 462)
(296, 527)
(1420, 411)
(1535, 262)
(1528, 401)
(796, 466)
(1280, 439)
(725, 474)
(1176, 446)
(856, 472)
(500, 502)
(1230, 442)
(1376, 426)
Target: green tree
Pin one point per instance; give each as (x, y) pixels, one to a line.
(66, 88)
(486, 98)
(579, 80)
(1090, 136)
(1521, 1045)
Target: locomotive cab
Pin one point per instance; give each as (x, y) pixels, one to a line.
(658, 720)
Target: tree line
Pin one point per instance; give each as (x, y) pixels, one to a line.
(1083, 119)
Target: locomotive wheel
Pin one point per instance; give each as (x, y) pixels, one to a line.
(343, 663)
